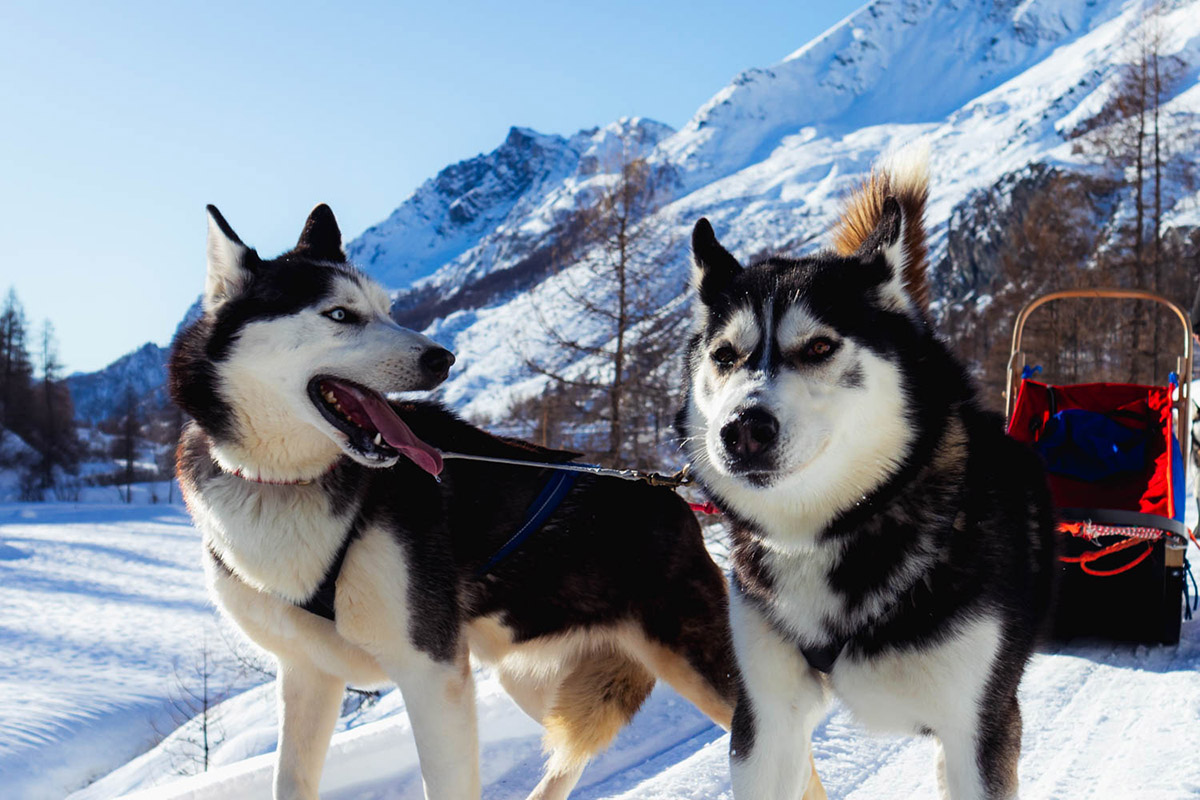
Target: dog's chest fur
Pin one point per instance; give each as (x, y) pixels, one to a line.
(883, 599)
(843, 585)
(279, 539)
(791, 588)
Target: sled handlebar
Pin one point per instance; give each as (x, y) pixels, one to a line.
(1016, 358)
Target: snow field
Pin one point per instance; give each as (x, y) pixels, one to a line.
(102, 601)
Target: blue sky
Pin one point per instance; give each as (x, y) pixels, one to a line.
(123, 119)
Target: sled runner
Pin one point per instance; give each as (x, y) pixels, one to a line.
(1118, 478)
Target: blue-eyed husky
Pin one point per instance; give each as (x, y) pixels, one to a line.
(329, 541)
(890, 542)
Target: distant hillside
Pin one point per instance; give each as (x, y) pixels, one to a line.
(99, 395)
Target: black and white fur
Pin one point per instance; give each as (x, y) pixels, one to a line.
(615, 591)
(884, 526)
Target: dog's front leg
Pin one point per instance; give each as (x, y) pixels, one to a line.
(440, 698)
(309, 702)
(780, 702)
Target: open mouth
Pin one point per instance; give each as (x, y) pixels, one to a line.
(371, 426)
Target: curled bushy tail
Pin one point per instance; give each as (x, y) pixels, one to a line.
(905, 177)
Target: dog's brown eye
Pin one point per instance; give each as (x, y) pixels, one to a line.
(819, 349)
(724, 355)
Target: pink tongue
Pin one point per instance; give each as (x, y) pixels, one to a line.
(399, 435)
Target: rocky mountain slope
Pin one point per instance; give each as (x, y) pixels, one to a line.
(989, 87)
(99, 395)
(768, 158)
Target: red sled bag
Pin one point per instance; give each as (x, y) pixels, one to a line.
(1118, 478)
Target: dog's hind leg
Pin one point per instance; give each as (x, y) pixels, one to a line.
(532, 694)
(704, 677)
(594, 701)
(557, 785)
(309, 702)
(685, 636)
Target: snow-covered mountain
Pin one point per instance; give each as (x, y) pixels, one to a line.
(472, 217)
(484, 228)
(992, 87)
(99, 395)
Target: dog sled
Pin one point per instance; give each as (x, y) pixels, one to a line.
(1118, 477)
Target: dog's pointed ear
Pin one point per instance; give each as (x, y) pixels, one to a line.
(884, 250)
(321, 240)
(713, 267)
(230, 263)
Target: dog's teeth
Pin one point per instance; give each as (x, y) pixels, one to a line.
(379, 438)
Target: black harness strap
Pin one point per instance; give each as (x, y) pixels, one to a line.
(553, 492)
(822, 659)
(322, 601)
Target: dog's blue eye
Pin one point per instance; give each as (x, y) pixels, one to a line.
(339, 314)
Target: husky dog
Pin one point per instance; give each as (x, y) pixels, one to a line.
(331, 543)
(889, 541)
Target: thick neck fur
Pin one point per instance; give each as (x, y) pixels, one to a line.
(870, 556)
(267, 441)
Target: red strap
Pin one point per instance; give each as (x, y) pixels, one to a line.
(1085, 561)
(705, 508)
(1104, 573)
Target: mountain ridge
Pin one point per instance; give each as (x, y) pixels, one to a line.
(767, 159)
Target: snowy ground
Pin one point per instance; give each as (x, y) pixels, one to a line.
(102, 604)
(97, 602)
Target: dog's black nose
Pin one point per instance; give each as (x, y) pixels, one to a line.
(750, 433)
(436, 361)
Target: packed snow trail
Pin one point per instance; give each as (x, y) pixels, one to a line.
(101, 601)
(1102, 721)
(98, 603)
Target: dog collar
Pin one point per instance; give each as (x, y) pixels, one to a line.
(305, 482)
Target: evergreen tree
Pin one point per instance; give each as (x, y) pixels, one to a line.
(16, 368)
(1143, 148)
(53, 429)
(126, 444)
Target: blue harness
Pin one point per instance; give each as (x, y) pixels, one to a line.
(553, 492)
